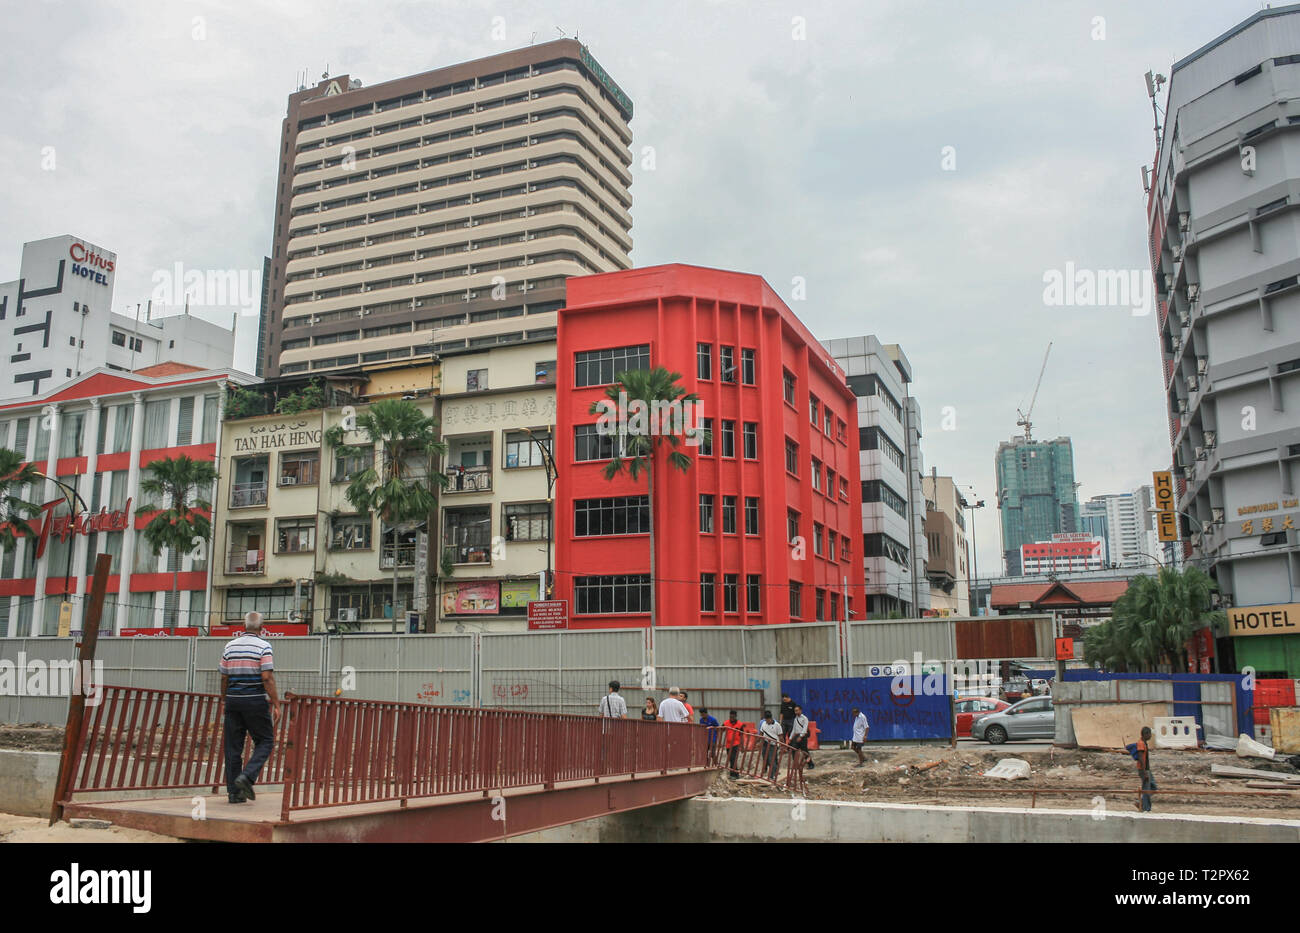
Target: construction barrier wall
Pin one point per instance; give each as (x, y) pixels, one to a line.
(1220, 703)
(902, 709)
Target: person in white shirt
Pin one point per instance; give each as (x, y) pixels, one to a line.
(672, 709)
(860, 729)
(799, 734)
(771, 733)
(612, 705)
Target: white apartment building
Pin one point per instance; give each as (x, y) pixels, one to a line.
(893, 503)
(57, 323)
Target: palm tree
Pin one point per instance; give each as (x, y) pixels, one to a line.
(656, 389)
(176, 488)
(405, 492)
(1153, 620)
(15, 511)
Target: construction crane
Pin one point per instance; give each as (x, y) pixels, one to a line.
(1024, 421)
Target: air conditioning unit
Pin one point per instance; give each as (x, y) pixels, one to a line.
(1182, 406)
(1211, 438)
(1184, 318)
(348, 615)
(1178, 253)
(1202, 365)
(288, 481)
(1216, 516)
(1200, 453)
(1184, 221)
(1192, 385)
(1193, 293)
(1189, 472)
(1169, 282)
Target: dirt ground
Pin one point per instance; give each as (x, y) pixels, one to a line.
(32, 737)
(894, 774)
(34, 829)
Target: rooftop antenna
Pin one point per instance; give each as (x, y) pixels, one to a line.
(533, 39)
(325, 76)
(1154, 81)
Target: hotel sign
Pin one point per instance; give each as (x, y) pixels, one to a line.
(1282, 619)
(1166, 512)
(606, 81)
(80, 524)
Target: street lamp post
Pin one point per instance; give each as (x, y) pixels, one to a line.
(548, 463)
(73, 498)
(975, 548)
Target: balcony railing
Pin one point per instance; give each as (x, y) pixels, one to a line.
(403, 555)
(470, 479)
(247, 495)
(241, 560)
(469, 553)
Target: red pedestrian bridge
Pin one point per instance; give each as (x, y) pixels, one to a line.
(348, 770)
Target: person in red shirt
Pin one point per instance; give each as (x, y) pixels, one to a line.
(733, 731)
(690, 710)
(1144, 768)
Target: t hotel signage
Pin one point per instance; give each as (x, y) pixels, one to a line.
(1264, 620)
(1162, 482)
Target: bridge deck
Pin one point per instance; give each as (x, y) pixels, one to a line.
(470, 817)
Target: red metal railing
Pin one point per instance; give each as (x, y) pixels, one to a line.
(137, 738)
(778, 763)
(346, 751)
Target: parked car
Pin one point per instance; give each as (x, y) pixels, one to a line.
(1031, 718)
(971, 708)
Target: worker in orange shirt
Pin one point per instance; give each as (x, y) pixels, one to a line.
(733, 731)
(1143, 756)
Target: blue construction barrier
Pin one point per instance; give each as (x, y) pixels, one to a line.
(921, 710)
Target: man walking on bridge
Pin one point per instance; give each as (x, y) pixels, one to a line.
(612, 705)
(252, 706)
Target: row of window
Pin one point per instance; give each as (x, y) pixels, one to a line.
(729, 514)
(727, 371)
(630, 593)
(156, 435)
(824, 539)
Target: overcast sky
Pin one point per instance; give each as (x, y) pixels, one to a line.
(801, 139)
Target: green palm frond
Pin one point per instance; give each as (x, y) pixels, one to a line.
(15, 511)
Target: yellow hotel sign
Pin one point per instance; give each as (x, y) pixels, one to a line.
(1167, 516)
(1282, 619)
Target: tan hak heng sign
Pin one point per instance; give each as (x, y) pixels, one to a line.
(1264, 620)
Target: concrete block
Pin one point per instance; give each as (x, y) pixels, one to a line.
(1009, 769)
(1175, 731)
(27, 781)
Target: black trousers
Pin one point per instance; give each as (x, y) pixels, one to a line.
(247, 716)
(732, 754)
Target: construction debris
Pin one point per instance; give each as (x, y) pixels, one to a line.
(1255, 774)
(1009, 769)
(1249, 748)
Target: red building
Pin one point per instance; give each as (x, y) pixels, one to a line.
(766, 525)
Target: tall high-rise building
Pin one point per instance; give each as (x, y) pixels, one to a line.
(444, 210)
(1225, 254)
(1036, 494)
(1124, 522)
(894, 545)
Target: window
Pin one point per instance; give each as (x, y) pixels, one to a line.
(467, 535)
(350, 533)
(827, 420)
(840, 430)
(706, 440)
(300, 468)
(819, 536)
(295, 534)
(345, 467)
(708, 592)
(844, 489)
(476, 380)
(830, 546)
(753, 589)
(830, 483)
(882, 545)
(544, 373)
(791, 525)
(751, 515)
(844, 548)
(619, 515)
(751, 440)
(601, 367)
(590, 444)
(816, 474)
(863, 386)
(728, 515)
(875, 439)
(621, 593)
(706, 514)
(272, 602)
(703, 361)
(728, 438)
(747, 370)
(731, 592)
(813, 408)
(209, 429)
(791, 457)
(523, 450)
(796, 599)
(529, 521)
(71, 431)
(727, 363)
(874, 490)
(155, 423)
(119, 339)
(787, 386)
(820, 603)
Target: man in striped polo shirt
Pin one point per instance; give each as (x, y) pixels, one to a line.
(252, 706)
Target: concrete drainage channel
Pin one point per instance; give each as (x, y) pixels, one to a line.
(714, 819)
(27, 780)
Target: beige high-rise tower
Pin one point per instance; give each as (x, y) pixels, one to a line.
(444, 210)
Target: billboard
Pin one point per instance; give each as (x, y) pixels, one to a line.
(471, 598)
